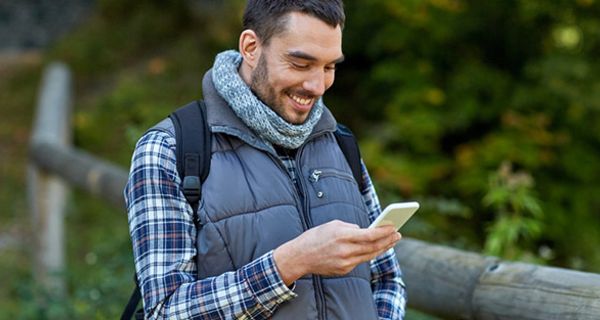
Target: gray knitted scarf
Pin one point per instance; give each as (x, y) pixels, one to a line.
(253, 112)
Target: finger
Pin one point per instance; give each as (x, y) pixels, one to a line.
(372, 255)
(365, 258)
(372, 247)
(372, 235)
(343, 231)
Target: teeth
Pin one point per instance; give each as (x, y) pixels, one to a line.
(301, 101)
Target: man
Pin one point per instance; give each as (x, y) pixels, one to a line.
(281, 230)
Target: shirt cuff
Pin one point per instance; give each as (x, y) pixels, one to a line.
(265, 282)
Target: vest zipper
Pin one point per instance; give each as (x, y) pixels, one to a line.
(306, 221)
(299, 195)
(302, 191)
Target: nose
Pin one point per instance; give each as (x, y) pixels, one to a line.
(316, 84)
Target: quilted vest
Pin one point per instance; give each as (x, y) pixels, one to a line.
(250, 206)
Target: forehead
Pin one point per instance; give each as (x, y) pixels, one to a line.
(305, 33)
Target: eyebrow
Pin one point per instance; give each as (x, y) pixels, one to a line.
(306, 56)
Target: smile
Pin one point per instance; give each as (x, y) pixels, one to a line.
(301, 101)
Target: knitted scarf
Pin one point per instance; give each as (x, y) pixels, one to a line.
(252, 111)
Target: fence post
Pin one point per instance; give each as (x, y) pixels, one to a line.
(46, 192)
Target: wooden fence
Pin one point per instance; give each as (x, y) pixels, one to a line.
(441, 281)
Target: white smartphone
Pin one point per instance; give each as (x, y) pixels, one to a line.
(396, 214)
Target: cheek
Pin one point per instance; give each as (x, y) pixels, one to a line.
(285, 80)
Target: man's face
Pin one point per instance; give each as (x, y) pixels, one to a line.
(297, 66)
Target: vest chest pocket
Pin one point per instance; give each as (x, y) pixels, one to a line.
(334, 194)
(329, 183)
(320, 178)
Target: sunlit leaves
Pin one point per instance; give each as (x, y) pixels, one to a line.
(519, 213)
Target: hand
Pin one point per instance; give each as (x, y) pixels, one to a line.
(334, 248)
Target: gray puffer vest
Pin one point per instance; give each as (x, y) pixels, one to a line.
(250, 206)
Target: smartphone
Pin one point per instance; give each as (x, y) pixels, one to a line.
(396, 214)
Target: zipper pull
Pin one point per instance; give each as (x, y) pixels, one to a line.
(315, 175)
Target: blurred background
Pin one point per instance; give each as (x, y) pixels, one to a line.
(487, 112)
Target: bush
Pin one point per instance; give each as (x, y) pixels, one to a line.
(450, 90)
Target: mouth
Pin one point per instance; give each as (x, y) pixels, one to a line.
(301, 101)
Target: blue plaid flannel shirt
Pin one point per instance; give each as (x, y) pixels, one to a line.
(163, 237)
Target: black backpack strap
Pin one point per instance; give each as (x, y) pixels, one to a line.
(349, 146)
(135, 298)
(192, 149)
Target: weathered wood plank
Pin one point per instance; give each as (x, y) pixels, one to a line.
(524, 291)
(440, 281)
(96, 176)
(455, 284)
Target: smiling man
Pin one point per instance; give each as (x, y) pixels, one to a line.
(281, 229)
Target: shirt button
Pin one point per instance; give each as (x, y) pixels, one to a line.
(320, 194)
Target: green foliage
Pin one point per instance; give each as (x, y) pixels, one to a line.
(445, 91)
(518, 213)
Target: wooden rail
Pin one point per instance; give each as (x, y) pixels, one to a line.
(455, 284)
(441, 281)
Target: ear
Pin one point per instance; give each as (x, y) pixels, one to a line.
(249, 48)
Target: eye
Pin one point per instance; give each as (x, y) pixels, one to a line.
(300, 66)
(330, 68)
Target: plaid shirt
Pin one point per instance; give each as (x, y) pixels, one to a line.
(164, 246)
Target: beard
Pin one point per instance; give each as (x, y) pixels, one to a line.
(259, 84)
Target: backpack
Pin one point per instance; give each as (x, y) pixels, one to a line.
(192, 137)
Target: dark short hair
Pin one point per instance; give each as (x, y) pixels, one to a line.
(268, 17)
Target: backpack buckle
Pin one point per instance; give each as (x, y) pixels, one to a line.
(191, 188)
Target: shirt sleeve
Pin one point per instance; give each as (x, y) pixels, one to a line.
(389, 291)
(163, 236)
